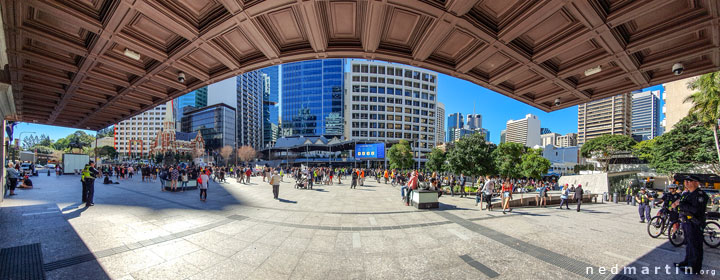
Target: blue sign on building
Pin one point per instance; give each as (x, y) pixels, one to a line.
(369, 151)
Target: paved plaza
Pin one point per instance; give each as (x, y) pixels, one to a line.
(135, 231)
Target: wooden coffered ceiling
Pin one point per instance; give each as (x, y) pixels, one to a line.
(67, 64)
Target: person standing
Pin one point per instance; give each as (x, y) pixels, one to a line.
(13, 176)
(275, 183)
(411, 185)
(89, 174)
(354, 178)
(247, 175)
(692, 206)
(174, 176)
(628, 194)
(462, 185)
(643, 201)
(578, 196)
(204, 180)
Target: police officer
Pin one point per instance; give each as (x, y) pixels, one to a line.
(692, 206)
(628, 194)
(643, 200)
(89, 174)
(667, 200)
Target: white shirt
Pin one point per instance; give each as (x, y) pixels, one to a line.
(489, 186)
(204, 177)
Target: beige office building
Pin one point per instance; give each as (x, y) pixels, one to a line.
(525, 131)
(134, 136)
(674, 108)
(610, 115)
(567, 140)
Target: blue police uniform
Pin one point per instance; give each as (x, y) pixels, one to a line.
(668, 199)
(692, 208)
(643, 200)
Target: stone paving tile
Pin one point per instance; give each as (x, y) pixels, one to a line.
(254, 255)
(173, 269)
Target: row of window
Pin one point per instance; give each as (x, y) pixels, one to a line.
(408, 127)
(393, 91)
(390, 81)
(399, 72)
(391, 100)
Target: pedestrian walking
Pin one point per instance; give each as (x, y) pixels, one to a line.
(275, 183)
(578, 196)
(204, 180)
(506, 195)
(174, 176)
(487, 190)
(628, 194)
(643, 200)
(564, 197)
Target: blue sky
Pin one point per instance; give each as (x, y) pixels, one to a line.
(457, 95)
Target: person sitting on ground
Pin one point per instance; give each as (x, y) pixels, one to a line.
(107, 180)
(26, 183)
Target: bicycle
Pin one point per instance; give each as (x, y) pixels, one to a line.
(711, 233)
(659, 225)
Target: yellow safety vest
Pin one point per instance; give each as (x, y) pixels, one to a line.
(86, 173)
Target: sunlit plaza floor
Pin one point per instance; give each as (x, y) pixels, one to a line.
(135, 231)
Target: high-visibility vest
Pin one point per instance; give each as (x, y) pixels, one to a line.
(86, 173)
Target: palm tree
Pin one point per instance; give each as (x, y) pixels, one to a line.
(706, 102)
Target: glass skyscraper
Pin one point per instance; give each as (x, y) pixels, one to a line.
(454, 121)
(645, 115)
(273, 72)
(216, 123)
(195, 99)
(312, 98)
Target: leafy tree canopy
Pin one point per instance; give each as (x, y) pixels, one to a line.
(508, 157)
(603, 148)
(534, 165)
(471, 156)
(400, 155)
(436, 160)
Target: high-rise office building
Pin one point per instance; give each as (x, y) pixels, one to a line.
(675, 107)
(605, 116)
(455, 121)
(273, 73)
(267, 107)
(525, 131)
(646, 114)
(312, 98)
(133, 137)
(194, 99)
(387, 101)
(503, 133)
(567, 140)
(245, 94)
(549, 139)
(474, 121)
(485, 132)
(544, 130)
(440, 120)
(216, 124)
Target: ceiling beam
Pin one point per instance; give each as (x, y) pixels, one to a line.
(529, 19)
(372, 25)
(313, 24)
(119, 17)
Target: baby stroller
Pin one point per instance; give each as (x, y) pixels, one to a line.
(301, 182)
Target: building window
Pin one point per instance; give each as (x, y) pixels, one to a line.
(356, 68)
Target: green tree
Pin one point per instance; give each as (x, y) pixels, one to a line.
(471, 156)
(603, 148)
(706, 103)
(400, 155)
(508, 157)
(436, 160)
(533, 164)
(687, 145)
(107, 151)
(45, 140)
(644, 149)
(61, 144)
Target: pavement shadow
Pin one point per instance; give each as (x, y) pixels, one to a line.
(60, 245)
(74, 214)
(659, 263)
(287, 201)
(72, 206)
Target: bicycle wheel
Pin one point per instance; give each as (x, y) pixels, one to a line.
(655, 226)
(676, 235)
(711, 234)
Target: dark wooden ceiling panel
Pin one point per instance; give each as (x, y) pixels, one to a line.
(91, 63)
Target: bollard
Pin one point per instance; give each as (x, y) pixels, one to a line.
(615, 198)
(633, 201)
